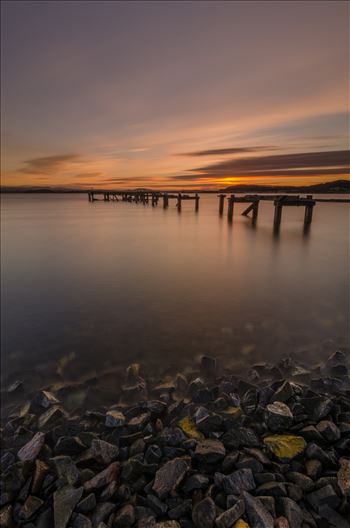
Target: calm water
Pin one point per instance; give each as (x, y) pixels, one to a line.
(109, 283)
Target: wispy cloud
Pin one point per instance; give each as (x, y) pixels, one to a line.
(48, 164)
(298, 164)
(225, 151)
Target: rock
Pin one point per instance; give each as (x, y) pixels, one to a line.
(153, 454)
(6, 516)
(344, 476)
(291, 511)
(125, 517)
(64, 502)
(41, 469)
(241, 524)
(188, 426)
(285, 447)
(239, 481)
(284, 392)
(317, 408)
(281, 522)
(159, 507)
(115, 419)
(103, 452)
(69, 445)
(30, 508)
(66, 469)
(230, 516)
(87, 504)
(169, 476)
(30, 451)
(323, 497)
(301, 480)
(328, 430)
(313, 468)
(210, 451)
(45, 399)
(195, 481)
(258, 516)
(204, 513)
(81, 521)
(334, 518)
(103, 478)
(272, 489)
(101, 512)
(278, 416)
(167, 524)
(51, 416)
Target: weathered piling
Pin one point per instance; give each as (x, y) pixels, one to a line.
(196, 207)
(179, 202)
(231, 201)
(165, 201)
(221, 203)
(278, 214)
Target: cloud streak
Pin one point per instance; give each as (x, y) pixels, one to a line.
(225, 151)
(48, 164)
(297, 164)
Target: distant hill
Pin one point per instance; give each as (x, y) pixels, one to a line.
(339, 186)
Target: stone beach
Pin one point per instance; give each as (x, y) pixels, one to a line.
(203, 448)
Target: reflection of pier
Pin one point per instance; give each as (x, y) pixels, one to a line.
(279, 201)
(144, 197)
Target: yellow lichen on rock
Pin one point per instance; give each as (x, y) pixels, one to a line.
(240, 524)
(285, 447)
(189, 428)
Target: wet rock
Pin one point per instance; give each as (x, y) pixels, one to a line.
(333, 517)
(6, 514)
(195, 481)
(323, 497)
(51, 416)
(301, 480)
(278, 416)
(328, 430)
(45, 399)
(249, 401)
(159, 507)
(115, 419)
(317, 408)
(81, 521)
(239, 481)
(291, 511)
(188, 426)
(281, 522)
(69, 445)
(241, 524)
(41, 469)
(101, 512)
(103, 452)
(87, 504)
(66, 469)
(167, 524)
(30, 451)
(272, 489)
(343, 476)
(153, 454)
(125, 517)
(285, 447)
(64, 502)
(284, 392)
(210, 451)
(181, 510)
(30, 508)
(103, 478)
(204, 513)
(230, 516)
(169, 476)
(258, 516)
(313, 468)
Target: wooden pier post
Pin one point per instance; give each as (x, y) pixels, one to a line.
(221, 203)
(308, 211)
(165, 201)
(278, 214)
(179, 200)
(255, 211)
(231, 201)
(196, 207)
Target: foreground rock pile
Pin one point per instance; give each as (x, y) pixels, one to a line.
(209, 449)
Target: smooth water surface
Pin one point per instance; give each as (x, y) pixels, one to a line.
(109, 283)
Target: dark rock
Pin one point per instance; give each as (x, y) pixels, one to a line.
(278, 416)
(101, 512)
(45, 399)
(41, 469)
(230, 516)
(318, 407)
(159, 507)
(323, 497)
(239, 481)
(334, 518)
(103, 452)
(249, 401)
(328, 430)
(30, 451)
(87, 504)
(181, 510)
(81, 521)
(247, 462)
(30, 508)
(204, 513)
(64, 502)
(195, 481)
(153, 454)
(69, 445)
(125, 517)
(301, 480)
(258, 516)
(291, 511)
(103, 478)
(313, 468)
(66, 469)
(115, 419)
(284, 392)
(6, 515)
(269, 503)
(210, 451)
(343, 476)
(51, 416)
(271, 489)
(169, 476)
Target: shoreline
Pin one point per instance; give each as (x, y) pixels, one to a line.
(204, 448)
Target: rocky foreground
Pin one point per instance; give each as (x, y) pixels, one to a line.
(208, 449)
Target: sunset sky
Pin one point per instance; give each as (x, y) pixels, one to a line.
(174, 94)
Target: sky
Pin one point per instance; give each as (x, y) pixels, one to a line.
(176, 95)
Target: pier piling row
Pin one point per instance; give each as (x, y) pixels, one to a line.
(144, 197)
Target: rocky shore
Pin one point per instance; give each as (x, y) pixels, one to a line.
(202, 449)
